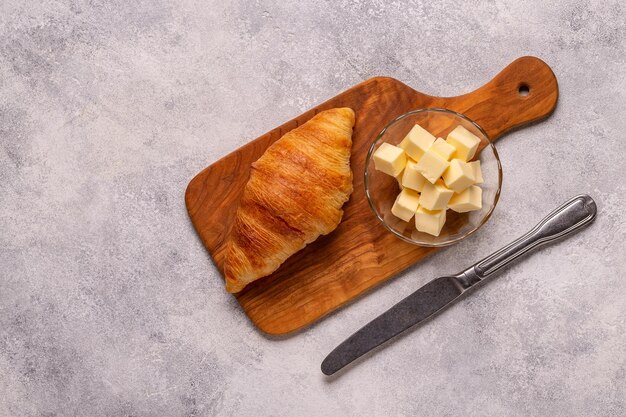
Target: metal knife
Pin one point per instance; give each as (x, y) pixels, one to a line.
(441, 292)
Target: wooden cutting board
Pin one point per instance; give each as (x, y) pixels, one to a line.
(360, 253)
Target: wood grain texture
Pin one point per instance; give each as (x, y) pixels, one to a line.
(360, 253)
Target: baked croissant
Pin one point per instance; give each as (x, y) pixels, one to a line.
(295, 194)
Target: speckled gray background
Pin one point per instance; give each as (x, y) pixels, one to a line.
(109, 304)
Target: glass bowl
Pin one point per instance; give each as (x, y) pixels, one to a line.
(382, 189)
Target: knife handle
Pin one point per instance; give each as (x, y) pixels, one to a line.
(571, 216)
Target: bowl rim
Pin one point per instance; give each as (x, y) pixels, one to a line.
(366, 177)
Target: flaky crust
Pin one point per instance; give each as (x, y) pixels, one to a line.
(294, 195)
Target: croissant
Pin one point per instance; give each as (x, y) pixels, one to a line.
(295, 194)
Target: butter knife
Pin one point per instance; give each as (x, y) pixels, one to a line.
(439, 293)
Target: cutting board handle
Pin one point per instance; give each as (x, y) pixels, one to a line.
(524, 92)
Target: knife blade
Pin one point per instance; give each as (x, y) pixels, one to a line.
(415, 308)
(441, 292)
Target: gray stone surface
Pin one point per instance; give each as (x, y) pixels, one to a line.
(109, 304)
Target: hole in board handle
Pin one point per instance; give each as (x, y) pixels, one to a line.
(523, 90)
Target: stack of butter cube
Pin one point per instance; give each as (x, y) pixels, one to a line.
(434, 175)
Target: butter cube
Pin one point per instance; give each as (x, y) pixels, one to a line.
(411, 177)
(443, 149)
(478, 173)
(417, 142)
(435, 196)
(406, 204)
(431, 166)
(389, 159)
(429, 221)
(465, 142)
(469, 200)
(458, 176)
